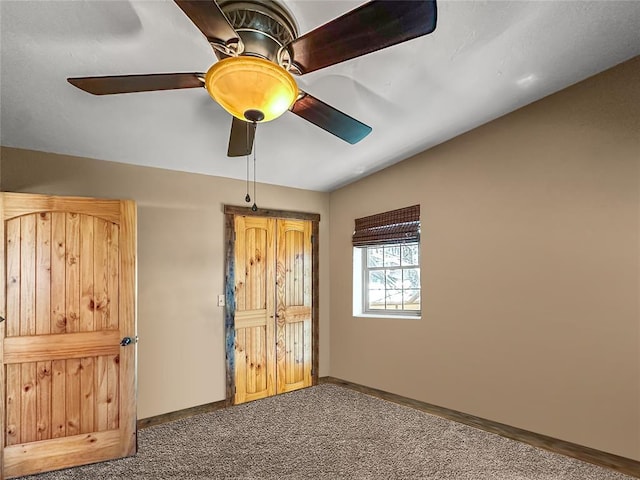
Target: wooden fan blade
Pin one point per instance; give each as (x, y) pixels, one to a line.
(328, 118)
(370, 27)
(210, 20)
(137, 83)
(241, 138)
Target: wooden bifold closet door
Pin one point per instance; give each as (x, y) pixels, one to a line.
(68, 340)
(273, 310)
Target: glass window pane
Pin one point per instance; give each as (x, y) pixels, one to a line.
(392, 256)
(376, 280)
(393, 279)
(411, 278)
(411, 299)
(376, 299)
(377, 306)
(394, 299)
(374, 256)
(410, 254)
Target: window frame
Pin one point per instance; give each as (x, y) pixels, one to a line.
(363, 285)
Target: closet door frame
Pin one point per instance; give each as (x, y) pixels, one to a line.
(230, 212)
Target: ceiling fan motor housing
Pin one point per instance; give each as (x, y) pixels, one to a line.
(264, 27)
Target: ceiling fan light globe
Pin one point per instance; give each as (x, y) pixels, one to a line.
(245, 83)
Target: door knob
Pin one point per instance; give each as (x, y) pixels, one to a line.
(126, 341)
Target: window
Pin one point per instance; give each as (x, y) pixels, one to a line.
(391, 278)
(387, 263)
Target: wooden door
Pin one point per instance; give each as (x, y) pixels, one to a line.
(255, 311)
(293, 305)
(272, 306)
(69, 294)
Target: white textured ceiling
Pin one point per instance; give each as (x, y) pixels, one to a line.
(485, 59)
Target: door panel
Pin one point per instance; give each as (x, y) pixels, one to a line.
(43, 325)
(254, 325)
(70, 290)
(293, 305)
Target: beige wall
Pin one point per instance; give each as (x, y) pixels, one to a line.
(181, 359)
(530, 270)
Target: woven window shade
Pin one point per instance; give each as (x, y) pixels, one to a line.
(396, 226)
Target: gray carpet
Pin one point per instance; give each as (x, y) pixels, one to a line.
(330, 432)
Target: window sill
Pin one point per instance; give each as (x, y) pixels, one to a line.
(392, 317)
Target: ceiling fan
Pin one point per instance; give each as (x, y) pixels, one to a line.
(258, 48)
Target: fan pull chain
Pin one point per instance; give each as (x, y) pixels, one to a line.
(247, 198)
(254, 207)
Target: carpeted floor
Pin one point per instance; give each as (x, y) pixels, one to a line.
(330, 432)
